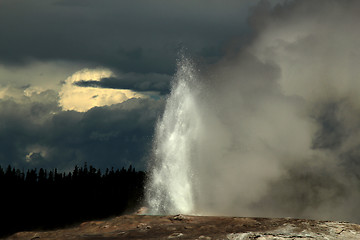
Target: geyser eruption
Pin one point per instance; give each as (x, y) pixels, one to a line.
(171, 187)
(274, 130)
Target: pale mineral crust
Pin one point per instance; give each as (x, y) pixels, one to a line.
(198, 227)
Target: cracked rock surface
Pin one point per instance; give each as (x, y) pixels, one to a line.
(199, 227)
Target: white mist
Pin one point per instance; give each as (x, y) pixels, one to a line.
(275, 130)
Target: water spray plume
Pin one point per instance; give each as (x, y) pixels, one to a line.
(171, 187)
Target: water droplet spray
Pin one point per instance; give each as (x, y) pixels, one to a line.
(171, 189)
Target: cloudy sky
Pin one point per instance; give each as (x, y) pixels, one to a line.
(85, 80)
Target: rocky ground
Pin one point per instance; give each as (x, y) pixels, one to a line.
(198, 227)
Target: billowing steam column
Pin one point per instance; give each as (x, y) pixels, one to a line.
(170, 188)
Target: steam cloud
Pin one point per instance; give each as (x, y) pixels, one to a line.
(279, 131)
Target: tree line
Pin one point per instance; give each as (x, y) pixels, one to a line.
(46, 199)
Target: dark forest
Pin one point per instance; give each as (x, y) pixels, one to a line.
(46, 199)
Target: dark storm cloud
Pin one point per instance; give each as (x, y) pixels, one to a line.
(117, 135)
(136, 82)
(20, 122)
(134, 36)
(137, 38)
(36, 133)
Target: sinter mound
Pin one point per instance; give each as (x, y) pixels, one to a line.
(199, 227)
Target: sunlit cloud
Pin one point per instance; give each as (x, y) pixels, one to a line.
(47, 75)
(27, 82)
(3, 92)
(81, 99)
